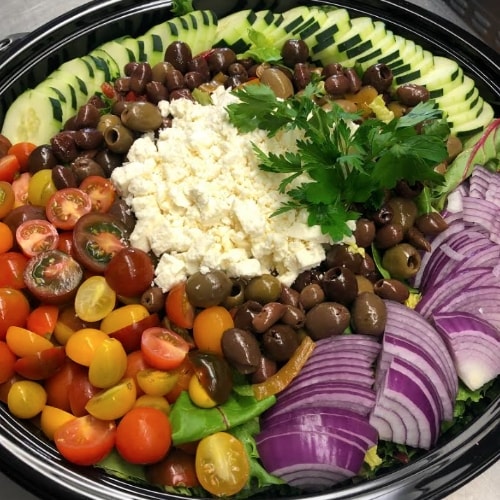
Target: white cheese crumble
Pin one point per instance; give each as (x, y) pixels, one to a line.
(202, 202)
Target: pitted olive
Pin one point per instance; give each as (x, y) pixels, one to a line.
(364, 232)
(411, 94)
(87, 116)
(245, 314)
(64, 177)
(40, 158)
(402, 261)
(280, 342)
(389, 235)
(270, 314)
(236, 296)
(368, 314)
(431, 223)
(306, 278)
(208, 289)
(391, 289)
(340, 285)
(241, 349)
(294, 316)
(364, 284)
(153, 299)
(327, 319)
(378, 75)
(416, 238)
(263, 289)
(289, 296)
(341, 255)
(220, 59)
(120, 210)
(118, 138)
(84, 167)
(141, 116)
(267, 367)
(106, 121)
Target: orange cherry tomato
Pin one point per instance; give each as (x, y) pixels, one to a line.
(52, 418)
(35, 236)
(14, 309)
(179, 309)
(144, 435)
(6, 238)
(22, 151)
(9, 167)
(43, 319)
(24, 342)
(208, 327)
(163, 348)
(7, 362)
(65, 207)
(101, 191)
(41, 365)
(12, 266)
(85, 440)
(7, 198)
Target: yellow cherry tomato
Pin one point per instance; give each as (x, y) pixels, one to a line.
(94, 299)
(41, 187)
(158, 402)
(122, 317)
(26, 399)
(199, 396)
(208, 327)
(23, 342)
(82, 345)
(156, 382)
(108, 365)
(113, 403)
(52, 418)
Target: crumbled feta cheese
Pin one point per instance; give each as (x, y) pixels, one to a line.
(202, 203)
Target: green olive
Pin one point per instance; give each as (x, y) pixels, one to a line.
(118, 138)
(278, 81)
(263, 289)
(106, 121)
(208, 289)
(402, 261)
(141, 116)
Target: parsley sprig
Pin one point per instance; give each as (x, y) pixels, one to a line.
(350, 163)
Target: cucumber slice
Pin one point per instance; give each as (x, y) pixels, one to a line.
(135, 50)
(467, 115)
(203, 27)
(373, 55)
(477, 125)
(119, 52)
(105, 70)
(444, 76)
(232, 31)
(459, 94)
(417, 69)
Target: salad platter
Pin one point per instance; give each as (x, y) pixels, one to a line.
(410, 419)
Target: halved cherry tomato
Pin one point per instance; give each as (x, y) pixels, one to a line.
(85, 440)
(36, 236)
(12, 266)
(144, 435)
(7, 361)
(43, 319)
(52, 418)
(163, 348)
(53, 277)
(41, 365)
(96, 239)
(7, 198)
(179, 309)
(9, 167)
(115, 402)
(177, 469)
(20, 187)
(41, 187)
(22, 150)
(101, 191)
(14, 309)
(184, 373)
(57, 386)
(66, 206)
(23, 342)
(80, 391)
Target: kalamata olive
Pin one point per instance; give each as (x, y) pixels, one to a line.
(106, 121)
(208, 289)
(280, 342)
(355, 82)
(156, 92)
(153, 299)
(64, 177)
(5, 145)
(368, 269)
(337, 85)
(87, 116)
(40, 158)
(389, 235)
(237, 69)
(364, 284)
(382, 216)
(241, 349)
(379, 76)
(178, 54)
(406, 190)
(294, 317)
(108, 161)
(20, 214)
(333, 69)
(141, 116)
(404, 211)
(122, 84)
(141, 75)
(181, 94)
(391, 289)
(174, 80)
(402, 261)
(118, 107)
(306, 278)
(270, 314)
(416, 238)
(84, 167)
(311, 295)
(302, 76)
(129, 67)
(278, 81)
(294, 51)
(267, 367)
(263, 289)
(327, 319)
(340, 285)
(200, 65)
(220, 59)
(88, 138)
(64, 147)
(236, 296)
(368, 314)
(364, 232)
(118, 138)
(410, 94)
(289, 296)
(193, 79)
(244, 314)
(431, 223)
(340, 255)
(121, 211)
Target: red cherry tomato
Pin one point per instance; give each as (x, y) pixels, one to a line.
(42, 365)
(85, 440)
(7, 362)
(163, 348)
(9, 167)
(130, 272)
(144, 435)
(14, 309)
(20, 187)
(101, 191)
(12, 266)
(43, 319)
(36, 236)
(57, 386)
(177, 469)
(179, 309)
(80, 391)
(66, 206)
(22, 151)
(96, 239)
(130, 335)
(65, 243)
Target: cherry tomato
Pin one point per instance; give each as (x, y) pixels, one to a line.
(53, 277)
(82, 345)
(65, 243)
(7, 361)
(68, 323)
(26, 399)
(41, 187)
(66, 206)
(21, 151)
(184, 373)
(101, 191)
(80, 392)
(12, 266)
(23, 342)
(14, 309)
(222, 465)
(96, 239)
(108, 365)
(135, 363)
(41, 365)
(177, 469)
(163, 348)
(6, 238)
(9, 167)
(36, 236)
(7, 198)
(52, 418)
(158, 402)
(115, 402)
(43, 319)
(179, 309)
(208, 327)
(20, 187)
(95, 299)
(85, 440)
(57, 386)
(144, 435)
(130, 272)
(156, 382)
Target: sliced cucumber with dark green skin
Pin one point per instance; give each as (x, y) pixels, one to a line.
(476, 125)
(119, 52)
(416, 69)
(459, 95)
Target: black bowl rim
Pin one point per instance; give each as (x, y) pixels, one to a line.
(33, 463)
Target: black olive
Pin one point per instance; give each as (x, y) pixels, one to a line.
(391, 289)
(431, 223)
(267, 367)
(368, 314)
(241, 349)
(280, 342)
(40, 158)
(404, 211)
(327, 319)
(389, 235)
(178, 54)
(294, 51)
(340, 255)
(244, 314)
(364, 232)
(340, 285)
(311, 295)
(153, 299)
(208, 289)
